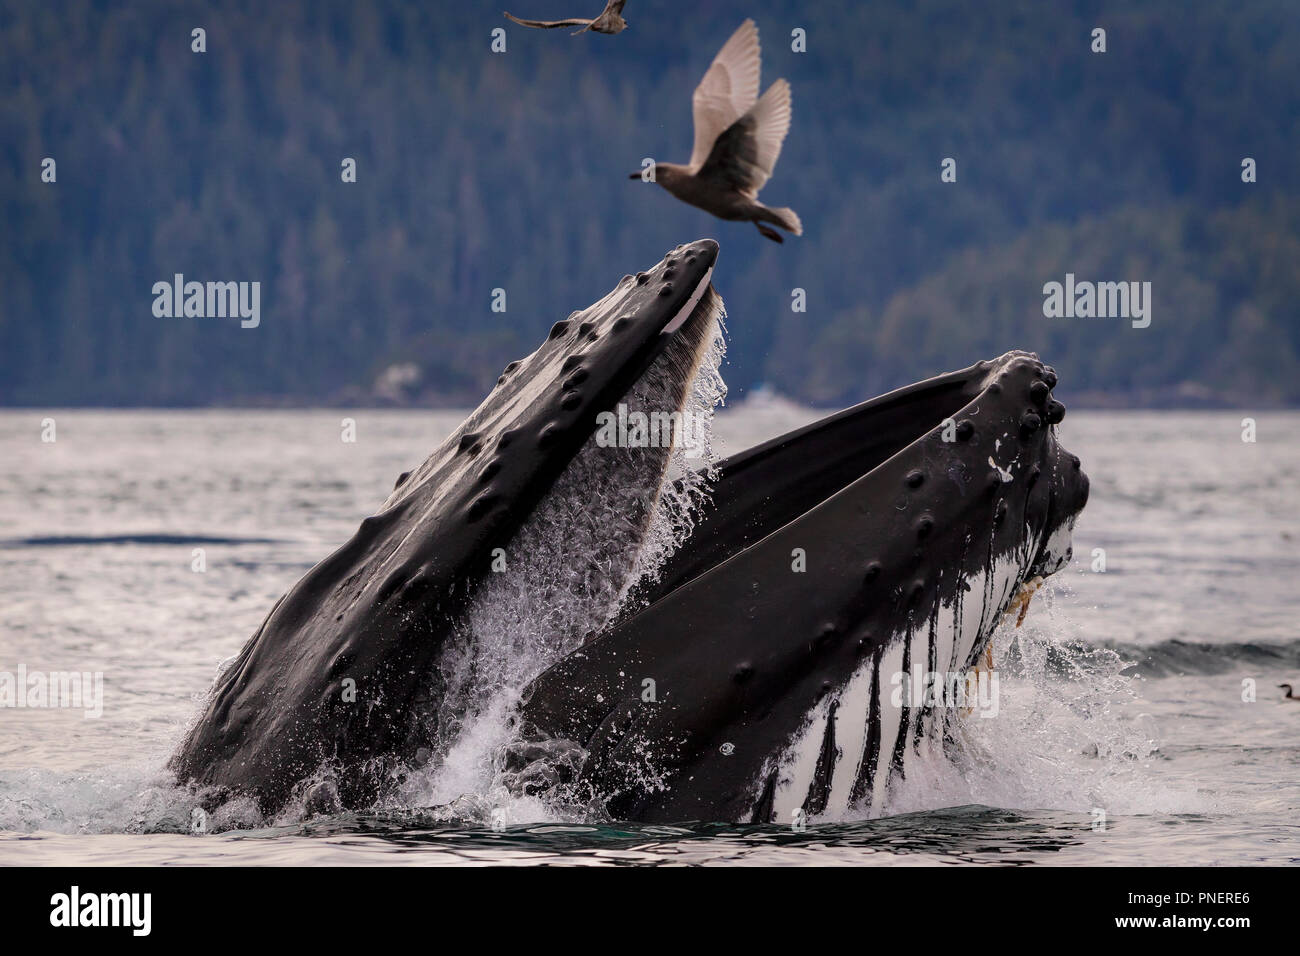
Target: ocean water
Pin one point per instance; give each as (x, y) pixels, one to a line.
(1139, 722)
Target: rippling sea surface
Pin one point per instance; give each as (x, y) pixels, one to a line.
(1126, 731)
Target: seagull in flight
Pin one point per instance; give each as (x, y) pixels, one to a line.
(609, 21)
(738, 138)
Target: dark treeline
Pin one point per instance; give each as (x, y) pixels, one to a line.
(478, 171)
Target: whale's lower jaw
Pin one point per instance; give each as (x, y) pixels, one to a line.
(887, 539)
(906, 703)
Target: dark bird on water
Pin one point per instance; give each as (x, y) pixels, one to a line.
(609, 21)
(1290, 694)
(738, 138)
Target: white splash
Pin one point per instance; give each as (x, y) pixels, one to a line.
(569, 568)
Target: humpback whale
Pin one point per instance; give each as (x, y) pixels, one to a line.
(917, 518)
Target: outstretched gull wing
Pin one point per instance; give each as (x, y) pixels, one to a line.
(549, 24)
(745, 154)
(728, 90)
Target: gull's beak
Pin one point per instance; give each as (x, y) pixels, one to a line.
(634, 176)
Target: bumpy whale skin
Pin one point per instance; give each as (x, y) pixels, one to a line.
(898, 505)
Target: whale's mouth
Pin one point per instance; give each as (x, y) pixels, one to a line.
(852, 444)
(691, 309)
(899, 419)
(487, 604)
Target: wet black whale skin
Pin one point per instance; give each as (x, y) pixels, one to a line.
(890, 516)
(377, 611)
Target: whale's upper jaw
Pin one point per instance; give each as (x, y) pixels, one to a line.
(379, 609)
(547, 401)
(822, 549)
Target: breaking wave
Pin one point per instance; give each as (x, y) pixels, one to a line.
(1174, 658)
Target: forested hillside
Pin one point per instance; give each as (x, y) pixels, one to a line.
(479, 170)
